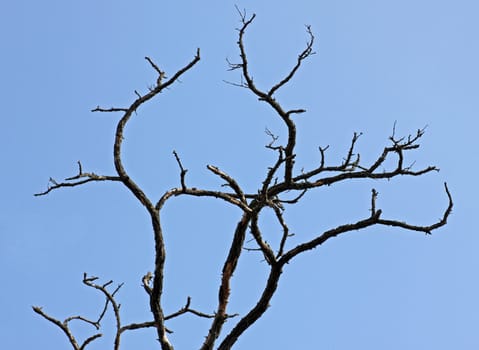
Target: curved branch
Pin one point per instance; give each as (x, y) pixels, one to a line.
(425, 229)
(157, 289)
(231, 182)
(286, 234)
(374, 219)
(264, 247)
(276, 268)
(110, 298)
(132, 186)
(268, 195)
(193, 191)
(268, 97)
(62, 325)
(308, 51)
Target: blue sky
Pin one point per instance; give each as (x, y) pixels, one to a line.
(377, 63)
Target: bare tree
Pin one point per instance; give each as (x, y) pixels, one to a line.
(280, 180)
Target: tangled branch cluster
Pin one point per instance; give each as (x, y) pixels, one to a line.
(281, 177)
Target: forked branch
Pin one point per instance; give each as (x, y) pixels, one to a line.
(268, 96)
(282, 185)
(276, 268)
(76, 180)
(109, 300)
(350, 168)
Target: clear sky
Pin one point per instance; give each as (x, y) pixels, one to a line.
(378, 62)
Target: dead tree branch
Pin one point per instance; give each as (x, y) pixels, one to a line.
(224, 289)
(268, 96)
(276, 268)
(63, 326)
(75, 180)
(109, 300)
(157, 287)
(349, 169)
(282, 186)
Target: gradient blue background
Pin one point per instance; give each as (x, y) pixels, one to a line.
(377, 62)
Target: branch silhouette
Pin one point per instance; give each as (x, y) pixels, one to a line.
(281, 179)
